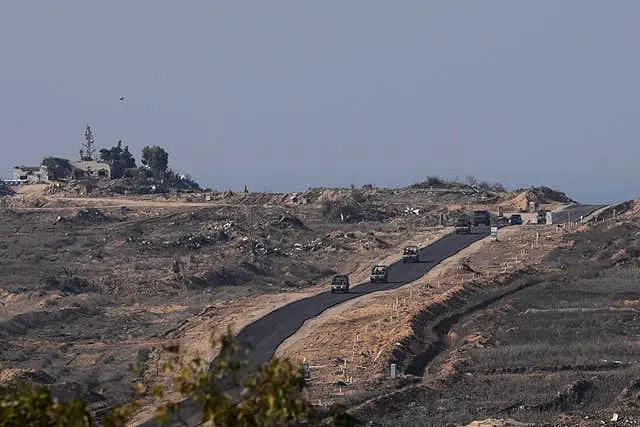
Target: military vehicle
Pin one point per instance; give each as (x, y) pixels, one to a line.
(542, 216)
(463, 225)
(410, 254)
(379, 273)
(481, 218)
(340, 284)
(516, 219)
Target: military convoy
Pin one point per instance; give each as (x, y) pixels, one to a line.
(411, 254)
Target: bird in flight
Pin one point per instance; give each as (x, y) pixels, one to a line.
(122, 98)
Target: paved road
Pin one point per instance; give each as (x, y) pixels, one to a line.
(573, 213)
(263, 336)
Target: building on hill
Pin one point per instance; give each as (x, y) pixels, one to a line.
(90, 169)
(79, 170)
(31, 174)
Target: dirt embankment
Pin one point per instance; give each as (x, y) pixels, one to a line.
(554, 347)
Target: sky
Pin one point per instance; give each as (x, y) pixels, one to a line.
(287, 95)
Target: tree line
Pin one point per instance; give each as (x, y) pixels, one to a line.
(154, 159)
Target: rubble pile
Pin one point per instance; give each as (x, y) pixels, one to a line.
(342, 242)
(288, 221)
(187, 241)
(84, 216)
(133, 185)
(348, 211)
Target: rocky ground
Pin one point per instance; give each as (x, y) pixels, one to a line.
(92, 283)
(555, 344)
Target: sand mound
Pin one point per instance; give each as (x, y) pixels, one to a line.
(539, 195)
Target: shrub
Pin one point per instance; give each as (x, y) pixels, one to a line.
(272, 396)
(430, 181)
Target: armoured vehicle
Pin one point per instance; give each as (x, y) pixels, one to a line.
(542, 216)
(410, 254)
(340, 283)
(463, 225)
(379, 273)
(515, 219)
(481, 218)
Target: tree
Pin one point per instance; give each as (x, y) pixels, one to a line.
(87, 151)
(118, 158)
(58, 168)
(272, 396)
(156, 158)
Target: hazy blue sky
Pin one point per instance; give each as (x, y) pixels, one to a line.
(283, 95)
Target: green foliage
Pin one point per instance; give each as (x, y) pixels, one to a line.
(57, 167)
(271, 396)
(156, 158)
(32, 405)
(173, 179)
(119, 158)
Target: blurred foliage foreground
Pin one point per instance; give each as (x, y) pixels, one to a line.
(273, 395)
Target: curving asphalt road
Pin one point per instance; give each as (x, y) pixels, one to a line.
(263, 336)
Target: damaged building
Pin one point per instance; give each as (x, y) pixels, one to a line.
(81, 169)
(90, 169)
(30, 174)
